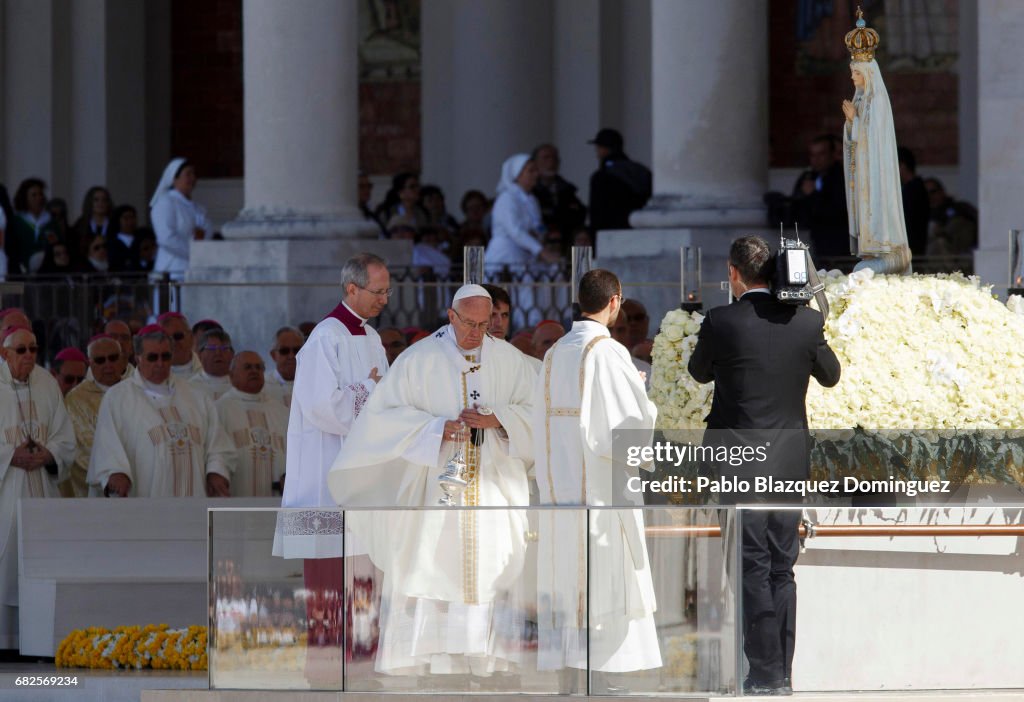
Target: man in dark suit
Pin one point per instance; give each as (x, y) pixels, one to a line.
(761, 354)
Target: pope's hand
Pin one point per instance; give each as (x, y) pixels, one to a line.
(217, 486)
(374, 375)
(452, 429)
(849, 110)
(119, 483)
(475, 420)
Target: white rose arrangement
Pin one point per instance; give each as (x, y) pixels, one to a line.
(933, 367)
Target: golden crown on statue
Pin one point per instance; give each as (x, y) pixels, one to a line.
(862, 41)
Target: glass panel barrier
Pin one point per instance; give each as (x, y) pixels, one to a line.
(662, 607)
(466, 600)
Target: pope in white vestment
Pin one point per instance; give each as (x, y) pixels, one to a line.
(158, 432)
(588, 389)
(448, 573)
(256, 424)
(37, 446)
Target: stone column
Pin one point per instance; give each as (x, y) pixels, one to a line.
(487, 88)
(1000, 142)
(710, 113)
(301, 121)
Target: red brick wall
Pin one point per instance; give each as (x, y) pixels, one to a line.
(206, 86)
(803, 104)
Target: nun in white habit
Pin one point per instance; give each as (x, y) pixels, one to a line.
(176, 218)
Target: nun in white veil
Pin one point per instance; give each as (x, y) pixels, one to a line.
(874, 193)
(176, 218)
(517, 232)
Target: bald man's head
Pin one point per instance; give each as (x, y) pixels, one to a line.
(247, 371)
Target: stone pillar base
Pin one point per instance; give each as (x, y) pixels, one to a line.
(255, 286)
(673, 211)
(289, 224)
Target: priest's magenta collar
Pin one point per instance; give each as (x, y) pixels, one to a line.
(352, 321)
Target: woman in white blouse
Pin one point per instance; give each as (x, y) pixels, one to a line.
(517, 233)
(176, 219)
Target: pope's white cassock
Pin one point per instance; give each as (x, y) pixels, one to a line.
(447, 572)
(165, 438)
(27, 410)
(332, 384)
(588, 389)
(257, 425)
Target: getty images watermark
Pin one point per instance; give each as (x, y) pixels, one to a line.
(767, 465)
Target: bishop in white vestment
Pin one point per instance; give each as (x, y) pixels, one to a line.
(588, 389)
(447, 573)
(256, 424)
(156, 436)
(280, 379)
(37, 445)
(215, 354)
(185, 363)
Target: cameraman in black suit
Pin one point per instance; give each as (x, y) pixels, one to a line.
(761, 354)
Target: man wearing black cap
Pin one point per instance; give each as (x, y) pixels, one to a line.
(618, 186)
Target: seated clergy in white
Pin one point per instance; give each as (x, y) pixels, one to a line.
(589, 389)
(106, 368)
(446, 572)
(281, 378)
(185, 363)
(37, 445)
(257, 424)
(215, 353)
(157, 436)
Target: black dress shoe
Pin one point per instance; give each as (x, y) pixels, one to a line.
(778, 688)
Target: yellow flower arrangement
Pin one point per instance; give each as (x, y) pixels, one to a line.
(153, 646)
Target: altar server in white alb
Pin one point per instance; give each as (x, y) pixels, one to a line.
(447, 573)
(156, 435)
(37, 446)
(588, 389)
(257, 424)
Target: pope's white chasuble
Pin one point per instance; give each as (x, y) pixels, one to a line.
(451, 575)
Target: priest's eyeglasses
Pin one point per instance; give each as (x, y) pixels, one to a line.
(473, 326)
(387, 292)
(154, 357)
(22, 349)
(100, 360)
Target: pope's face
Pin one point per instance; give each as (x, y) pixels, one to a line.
(471, 321)
(858, 77)
(20, 352)
(370, 301)
(155, 361)
(181, 339)
(106, 361)
(248, 373)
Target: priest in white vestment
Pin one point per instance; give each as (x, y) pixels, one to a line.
(106, 368)
(588, 389)
(257, 424)
(501, 318)
(280, 379)
(338, 367)
(184, 361)
(448, 574)
(215, 354)
(37, 445)
(156, 436)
